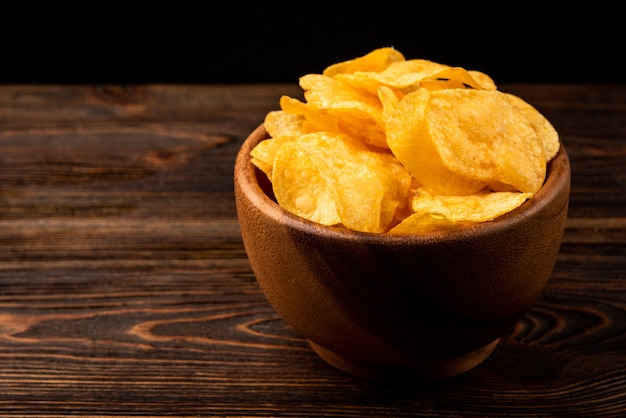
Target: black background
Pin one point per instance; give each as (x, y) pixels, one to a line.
(237, 42)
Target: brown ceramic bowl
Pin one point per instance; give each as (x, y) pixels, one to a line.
(383, 307)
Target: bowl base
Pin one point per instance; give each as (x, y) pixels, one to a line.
(431, 370)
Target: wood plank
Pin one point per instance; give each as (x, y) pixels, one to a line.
(125, 288)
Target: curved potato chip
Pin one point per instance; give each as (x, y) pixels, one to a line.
(486, 82)
(376, 60)
(372, 187)
(409, 140)
(329, 93)
(479, 134)
(436, 212)
(342, 121)
(281, 123)
(302, 186)
(263, 155)
(315, 119)
(389, 100)
(479, 207)
(549, 136)
(332, 178)
(450, 78)
(417, 223)
(358, 113)
(403, 75)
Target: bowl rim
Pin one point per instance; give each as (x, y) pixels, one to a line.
(245, 174)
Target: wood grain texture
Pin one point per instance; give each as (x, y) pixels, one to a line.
(125, 289)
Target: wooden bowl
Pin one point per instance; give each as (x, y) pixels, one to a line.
(385, 307)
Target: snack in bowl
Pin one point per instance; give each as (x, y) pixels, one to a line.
(379, 135)
(404, 216)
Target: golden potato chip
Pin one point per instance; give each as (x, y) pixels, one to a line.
(331, 178)
(450, 78)
(361, 127)
(280, 126)
(338, 120)
(263, 155)
(301, 183)
(409, 139)
(404, 76)
(548, 135)
(315, 119)
(437, 212)
(357, 112)
(389, 101)
(420, 223)
(376, 60)
(327, 93)
(281, 123)
(480, 135)
(372, 188)
(486, 82)
(479, 207)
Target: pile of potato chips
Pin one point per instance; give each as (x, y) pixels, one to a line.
(389, 145)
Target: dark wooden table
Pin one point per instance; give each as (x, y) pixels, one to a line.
(125, 289)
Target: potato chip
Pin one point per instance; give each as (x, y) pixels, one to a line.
(331, 178)
(357, 112)
(479, 207)
(409, 139)
(372, 188)
(315, 119)
(450, 78)
(420, 223)
(486, 82)
(389, 101)
(327, 93)
(437, 212)
(301, 184)
(281, 123)
(280, 126)
(404, 76)
(480, 135)
(376, 60)
(344, 121)
(548, 135)
(263, 156)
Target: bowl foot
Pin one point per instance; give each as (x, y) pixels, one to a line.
(431, 370)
